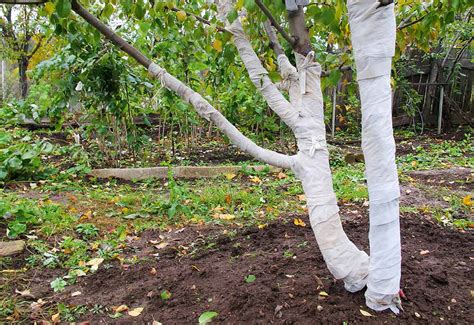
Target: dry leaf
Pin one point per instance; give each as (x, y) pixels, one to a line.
(135, 311)
(76, 293)
(228, 199)
(299, 222)
(25, 293)
(323, 294)
(424, 252)
(94, 263)
(365, 313)
(156, 323)
(55, 318)
(255, 180)
(282, 175)
(302, 197)
(467, 200)
(229, 176)
(120, 308)
(162, 245)
(153, 271)
(223, 216)
(262, 226)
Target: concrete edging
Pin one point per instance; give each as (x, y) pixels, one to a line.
(178, 172)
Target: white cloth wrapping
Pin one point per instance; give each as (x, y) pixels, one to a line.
(292, 5)
(373, 41)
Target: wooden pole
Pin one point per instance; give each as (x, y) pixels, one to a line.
(440, 110)
(333, 121)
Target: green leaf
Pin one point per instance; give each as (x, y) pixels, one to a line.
(63, 8)
(207, 317)
(250, 278)
(165, 295)
(15, 229)
(233, 14)
(58, 285)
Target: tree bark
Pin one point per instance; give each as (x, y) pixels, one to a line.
(22, 77)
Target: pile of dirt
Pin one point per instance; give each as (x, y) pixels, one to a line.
(205, 269)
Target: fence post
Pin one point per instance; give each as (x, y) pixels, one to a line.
(440, 110)
(333, 121)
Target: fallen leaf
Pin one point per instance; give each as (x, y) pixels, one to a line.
(229, 176)
(207, 317)
(424, 252)
(55, 318)
(262, 226)
(417, 315)
(94, 263)
(25, 293)
(153, 271)
(365, 313)
(76, 293)
(162, 245)
(36, 305)
(135, 311)
(302, 197)
(323, 294)
(299, 222)
(228, 199)
(467, 200)
(282, 175)
(156, 323)
(120, 308)
(224, 216)
(255, 180)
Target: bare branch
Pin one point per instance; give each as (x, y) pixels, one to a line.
(284, 34)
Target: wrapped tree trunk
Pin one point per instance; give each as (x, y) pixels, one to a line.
(373, 40)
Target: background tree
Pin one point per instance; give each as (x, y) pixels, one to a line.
(22, 37)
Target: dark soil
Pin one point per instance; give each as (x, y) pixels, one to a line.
(204, 269)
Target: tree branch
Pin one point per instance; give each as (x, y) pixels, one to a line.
(272, 36)
(202, 106)
(284, 34)
(202, 20)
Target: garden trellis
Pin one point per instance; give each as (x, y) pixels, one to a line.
(373, 37)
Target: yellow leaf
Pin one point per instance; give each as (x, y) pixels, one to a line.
(261, 226)
(181, 15)
(49, 7)
(467, 200)
(135, 311)
(223, 216)
(217, 45)
(255, 179)
(55, 318)
(229, 176)
(323, 293)
(365, 313)
(299, 222)
(120, 308)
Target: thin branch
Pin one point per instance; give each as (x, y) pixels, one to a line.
(202, 20)
(458, 57)
(110, 35)
(284, 34)
(412, 22)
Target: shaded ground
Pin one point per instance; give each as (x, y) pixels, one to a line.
(204, 269)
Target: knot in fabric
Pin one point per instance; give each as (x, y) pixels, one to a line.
(312, 143)
(307, 63)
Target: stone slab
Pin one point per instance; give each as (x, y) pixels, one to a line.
(178, 172)
(8, 248)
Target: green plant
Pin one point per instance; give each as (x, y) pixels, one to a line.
(87, 230)
(58, 284)
(250, 278)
